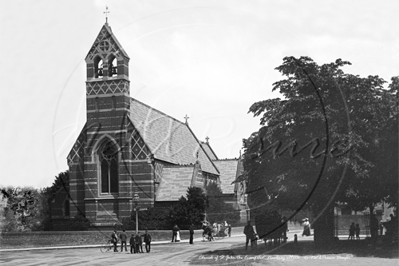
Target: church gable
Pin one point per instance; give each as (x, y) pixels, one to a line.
(139, 149)
(104, 44)
(77, 152)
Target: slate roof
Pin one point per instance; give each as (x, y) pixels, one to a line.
(167, 138)
(228, 173)
(207, 148)
(174, 183)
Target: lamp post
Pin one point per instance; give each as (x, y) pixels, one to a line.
(136, 202)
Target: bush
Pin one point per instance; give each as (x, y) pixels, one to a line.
(79, 223)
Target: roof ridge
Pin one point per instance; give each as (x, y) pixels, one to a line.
(227, 159)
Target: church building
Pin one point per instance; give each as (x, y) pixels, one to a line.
(127, 147)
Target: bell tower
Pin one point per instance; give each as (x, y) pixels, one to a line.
(107, 66)
(105, 173)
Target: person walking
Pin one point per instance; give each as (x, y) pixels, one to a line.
(123, 238)
(132, 243)
(147, 241)
(191, 229)
(249, 233)
(114, 239)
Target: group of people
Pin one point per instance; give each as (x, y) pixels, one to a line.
(135, 241)
(176, 234)
(216, 229)
(354, 229)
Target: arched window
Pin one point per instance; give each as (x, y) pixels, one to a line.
(108, 160)
(98, 67)
(112, 66)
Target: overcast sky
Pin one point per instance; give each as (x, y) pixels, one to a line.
(210, 60)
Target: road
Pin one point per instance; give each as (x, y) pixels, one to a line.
(161, 254)
(201, 253)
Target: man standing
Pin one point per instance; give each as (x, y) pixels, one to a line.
(191, 234)
(123, 238)
(147, 241)
(114, 239)
(139, 243)
(249, 233)
(229, 230)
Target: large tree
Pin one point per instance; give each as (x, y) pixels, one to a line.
(190, 209)
(311, 150)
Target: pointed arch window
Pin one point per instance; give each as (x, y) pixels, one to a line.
(112, 66)
(98, 67)
(108, 160)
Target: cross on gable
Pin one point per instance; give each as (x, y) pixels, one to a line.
(207, 139)
(186, 118)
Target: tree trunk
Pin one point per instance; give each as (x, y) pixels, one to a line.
(324, 227)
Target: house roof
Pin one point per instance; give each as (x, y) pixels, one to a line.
(168, 139)
(228, 173)
(174, 183)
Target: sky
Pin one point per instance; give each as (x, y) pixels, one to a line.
(210, 60)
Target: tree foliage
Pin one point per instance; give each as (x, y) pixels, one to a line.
(61, 181)
(327, 140)
(218, 210)
(25, 209)
(190, 209)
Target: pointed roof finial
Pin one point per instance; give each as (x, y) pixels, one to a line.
(106, 14)
(186, 118)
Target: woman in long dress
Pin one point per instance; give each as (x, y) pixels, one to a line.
(306, 227)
